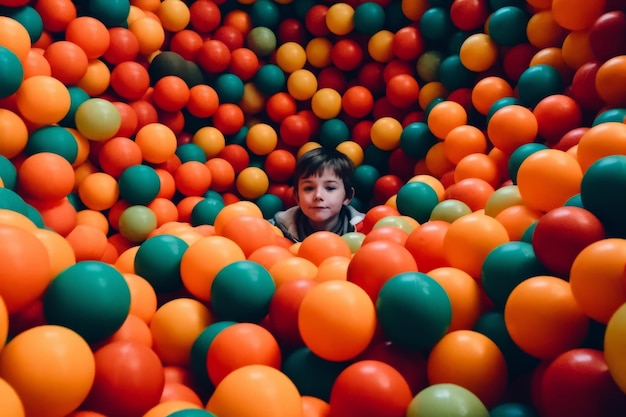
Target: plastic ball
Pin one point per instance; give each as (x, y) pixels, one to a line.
(255, 390)
(326, 103)
(444, 117)
(15, 37)
(137, 222)
(547, 178)
(51, 368)
(242, 292)
(43, 99)
(466, 351)
(507, 26)
(370, 388)
(129, 379)
(262, 41)
(12, 72)
(613, 345)
(446, 398)
(478, 52)
(464, 294)
(238, 345)
(344, 327)
(53, 139)
(158, 261)
(252, 182)
(417, 200)
(540, 306)
(539, 82)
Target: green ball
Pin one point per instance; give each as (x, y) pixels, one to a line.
(242, 291)
(311, 374)
(158, 261)
(519, 155)
(269, 79)
(136, 223)
(200, 349)
(611, 115)
(229, 88)
(364, 178)
(450, 210)
(139, 184)
(205, 211)
(448, 400)
(416, 140)
(53, 139)
(262, 41)
(190, 152)
(168, 63)
(11, 72)
(8, 173)
(98, 119)
(428, 65)
(77, 97)
(507, 26)
(192, 412)
(270, 204)
(417, 200)
(369, 18)
(538, 82)
(492, 325)
(454, 75)
(513, 409)
(413, 310)
(332, 132)
(354, 240)
(506, 266)
(110, 12)
(90, 297)
(601, 193)
(265, 13)
(436, 24)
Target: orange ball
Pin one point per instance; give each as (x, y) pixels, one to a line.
(576, 14)
(46, 177)
(170, 93)
(60, 251)
(68, 61)
(249, 232)
(89, 243)
(26, 267)
(268, 255)
(599, 141)
(252, 182)
(596, 278)
(517, 219)
(445, 116)
(291, 268)
(337, 320)
(59, 216)
(174, 15)
(462, 141)
(11, 402)
(241, 208)
(543, 317)
(464, 294)
(90, 34)
(175, 326)
(132, 330)
(143, 297)
(203, 260)
(149, 33)
(333, 268)
(511, 127)
(478, 166)
(222, 174)
(43, 100)
(14, 37)
(548, 178)
(50, 367)
(425, 244)
(13, 134)
(321, 245)
(610, 80)
(488, 90)
(210, 139)
(469, 240)
(478, 52)
(157, 142)
(543, 31)
(98, 191)
(240, 345)
(471, 360)
(326, 103)
(261, 139)
(203, 101)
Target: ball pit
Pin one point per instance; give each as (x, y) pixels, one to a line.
(145, 143)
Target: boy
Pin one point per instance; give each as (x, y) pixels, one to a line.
(322, 191)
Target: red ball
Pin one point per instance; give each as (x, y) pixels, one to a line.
(204, 16)
(408, 43)
(361, 133)
(346, 54)
(578, 383)
(230, 36)
(129, 380)
(130, 80)
(228, 118)
(402, 90)
(214, 56)
(517, 60)
(556, 115)
(369, 388)
(469, 14)
(386, 187)
(295, 130)
(357, 101)
(371, 77)
(607, 35)
(244, 63)
(283, 311)
(315, 20)
(236, 155)
(123, 46)
(279, 106)
(583, 87)
(561, 234)
(186, 43)
(570, 139)
(332, 77)
(292, 30)
(396, 67)
(279, 165)
(145, 111)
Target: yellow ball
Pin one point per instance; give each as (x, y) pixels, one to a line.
(339, 18)
(379, 46)
(318, 52)
(290, 56)
(385, 133)
(252, 182)
(302, 84)
(352, 150)
(478, 52)
(326, 103)
(261, 139)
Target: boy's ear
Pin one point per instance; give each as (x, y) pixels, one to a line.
(350, 196)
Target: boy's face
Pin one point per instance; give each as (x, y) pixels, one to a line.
(321, 198)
